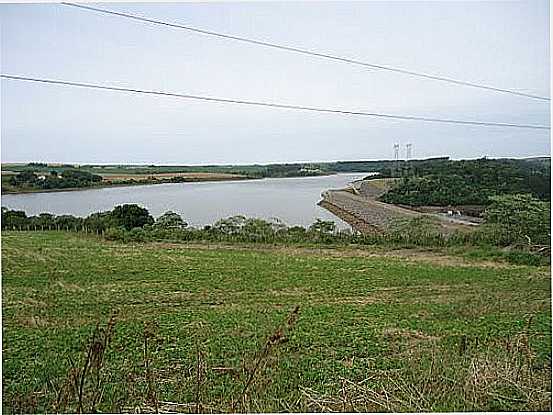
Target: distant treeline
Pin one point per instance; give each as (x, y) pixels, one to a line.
(443, 182)
(70, 178)
(435, 181)
(249, 170)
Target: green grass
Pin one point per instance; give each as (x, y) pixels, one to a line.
(374, 333)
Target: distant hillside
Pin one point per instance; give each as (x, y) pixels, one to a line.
(466, 182)
(540, 161)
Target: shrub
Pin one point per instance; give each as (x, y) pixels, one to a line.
(519, 218)
(230, 226)
(116, 234)
(170, 220)
(419, 231)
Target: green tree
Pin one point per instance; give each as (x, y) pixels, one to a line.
(68, 222)
(13, 218)
(170, 220)
(231, 225)
(99, 221)
(258, 230)
(25, 177)
(131, 216)
(43, 221)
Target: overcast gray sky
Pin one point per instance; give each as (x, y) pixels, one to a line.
(504, 44)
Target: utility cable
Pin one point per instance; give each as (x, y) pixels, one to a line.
(312, 53)
(272, 104)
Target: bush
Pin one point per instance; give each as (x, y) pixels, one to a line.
(519, 257)
(230, 226)
(116, 234)
(419, 231)
(170, 220)
(519, 218)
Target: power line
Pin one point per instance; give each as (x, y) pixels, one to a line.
(312, 53)
(272, 104)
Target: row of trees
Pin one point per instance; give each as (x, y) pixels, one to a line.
(124, 216)
(131, 221)
(70, 178)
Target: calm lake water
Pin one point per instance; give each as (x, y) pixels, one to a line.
(293, 200)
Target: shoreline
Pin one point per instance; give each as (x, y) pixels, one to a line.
(143, 183)
(130, 184)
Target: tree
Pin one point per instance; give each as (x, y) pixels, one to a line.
(170, 220)
(522, 217)
(13, 218)
(231, 225)
(99, 221)
(43, 221)
(80, 176)
(25, 177)
(68, 222)
(131, 216)
(258, 230)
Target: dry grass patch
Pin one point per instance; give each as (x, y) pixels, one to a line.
(497, 378)
(33, 321)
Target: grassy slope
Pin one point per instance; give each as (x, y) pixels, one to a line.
(374, 333)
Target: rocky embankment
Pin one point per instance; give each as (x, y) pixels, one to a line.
(358, 206)
(363, 214)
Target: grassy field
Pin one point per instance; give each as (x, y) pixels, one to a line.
(194, 176)
(219, 329)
